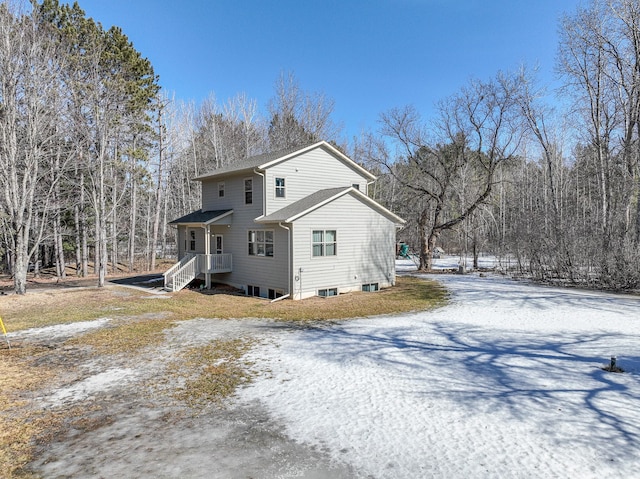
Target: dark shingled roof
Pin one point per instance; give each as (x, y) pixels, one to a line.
(199, 217)
(253, 161)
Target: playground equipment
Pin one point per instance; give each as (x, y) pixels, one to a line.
(404, 252)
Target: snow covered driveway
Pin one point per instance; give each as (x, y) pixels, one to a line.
(505, 381)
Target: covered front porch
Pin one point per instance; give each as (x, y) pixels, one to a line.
(201, 248)
(192, 265)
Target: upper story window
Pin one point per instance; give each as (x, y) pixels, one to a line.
(248, 191)
(221, 189)
(356, 186)
(261, 243)
(280, 191)
(324, 243)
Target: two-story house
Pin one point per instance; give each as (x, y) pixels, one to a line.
(296, 224)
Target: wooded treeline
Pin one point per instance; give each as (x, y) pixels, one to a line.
(95, 158)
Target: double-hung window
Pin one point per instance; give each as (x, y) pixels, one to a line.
(221, 189)
(248, 191)
(324, 243)
(280, 191)
(192, 240)
(260, 243)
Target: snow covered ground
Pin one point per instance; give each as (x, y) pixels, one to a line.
(505, 381)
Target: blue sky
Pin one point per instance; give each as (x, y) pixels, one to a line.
(368, 55)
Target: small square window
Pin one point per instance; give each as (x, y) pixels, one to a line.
(323, 243)
(260, 243)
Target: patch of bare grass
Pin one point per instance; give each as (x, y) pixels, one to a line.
(48, 308)
(125, 336)
(45, 308)
(214, 371)
(21, 425)
(409, 294)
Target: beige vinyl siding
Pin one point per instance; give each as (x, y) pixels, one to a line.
(307, 173)
(365, 248)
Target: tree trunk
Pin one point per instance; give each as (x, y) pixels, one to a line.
(84, 231)
(427, 242)
(58, 245)
(158, 196)
(132, 225)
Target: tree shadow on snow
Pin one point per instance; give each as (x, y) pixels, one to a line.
(556, 378)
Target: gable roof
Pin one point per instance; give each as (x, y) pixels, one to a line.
(267, 160)
(201, 217)
(310, 203)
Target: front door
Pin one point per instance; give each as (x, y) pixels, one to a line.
(216, 244)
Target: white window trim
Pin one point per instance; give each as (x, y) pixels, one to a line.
(284, 187)
(324, 243)
(262, 242)
(326, 290)
(369, 285)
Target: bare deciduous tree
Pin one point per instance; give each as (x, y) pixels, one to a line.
(476, 131)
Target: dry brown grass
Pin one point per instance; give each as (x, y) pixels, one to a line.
(60, 306)
(38, 309)
(212, 372)
(139, 321)
(21, 426)
(125, 337)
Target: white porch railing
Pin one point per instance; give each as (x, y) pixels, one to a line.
(185, 274)
(189, 267)
(216, 263)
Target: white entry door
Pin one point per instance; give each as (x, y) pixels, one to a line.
(216, 244)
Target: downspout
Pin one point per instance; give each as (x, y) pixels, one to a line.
(289, 285)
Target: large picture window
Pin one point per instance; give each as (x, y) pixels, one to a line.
(324, 243)
(260, 243)
(248, 191)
